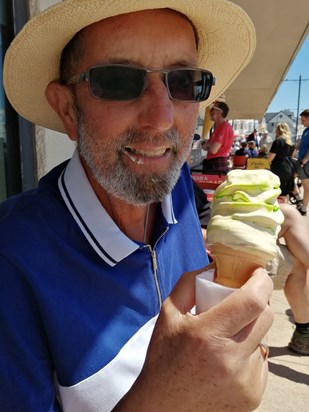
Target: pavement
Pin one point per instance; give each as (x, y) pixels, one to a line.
(288, 380)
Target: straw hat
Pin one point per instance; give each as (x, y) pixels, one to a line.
(225, 32)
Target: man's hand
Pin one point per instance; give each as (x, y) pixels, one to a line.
(210, 361)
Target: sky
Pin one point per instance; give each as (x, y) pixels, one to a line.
(287, 94)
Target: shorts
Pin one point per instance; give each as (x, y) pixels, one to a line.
(302, 171)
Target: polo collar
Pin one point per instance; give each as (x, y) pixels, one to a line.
(100, 230)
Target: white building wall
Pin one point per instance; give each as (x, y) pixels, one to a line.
(52, 147)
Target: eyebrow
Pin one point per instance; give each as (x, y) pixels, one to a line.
(181, 63)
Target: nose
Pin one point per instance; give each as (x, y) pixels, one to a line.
(157, 109)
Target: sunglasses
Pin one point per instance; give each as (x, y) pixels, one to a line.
(216, 108)
(122, 82)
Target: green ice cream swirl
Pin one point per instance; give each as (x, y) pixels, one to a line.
(245, 212)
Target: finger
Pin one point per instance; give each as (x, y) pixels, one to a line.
(242, 307)
(182, 297)
(257, 375)
(251, 336)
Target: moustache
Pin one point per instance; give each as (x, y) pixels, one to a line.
(133, 136)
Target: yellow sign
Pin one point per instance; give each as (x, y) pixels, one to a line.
(257, 163)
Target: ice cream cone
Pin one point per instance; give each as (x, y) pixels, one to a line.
(234, 267)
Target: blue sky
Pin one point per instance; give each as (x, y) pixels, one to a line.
(287, 94)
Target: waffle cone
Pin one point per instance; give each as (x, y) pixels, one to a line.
(234, 267)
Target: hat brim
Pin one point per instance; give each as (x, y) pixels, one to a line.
(226, 38)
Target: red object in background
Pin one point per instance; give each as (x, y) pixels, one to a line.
(208, 182)
(239, 162)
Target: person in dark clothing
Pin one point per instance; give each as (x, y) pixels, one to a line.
(280, 159)
(253, 137)
(243, 151)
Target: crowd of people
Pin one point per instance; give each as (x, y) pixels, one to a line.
(286, 159)
(98, 263)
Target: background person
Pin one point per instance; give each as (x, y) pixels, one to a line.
(220, 142)
(263, 151)
(253, 137)
(280, 159)
(243, 151)
(266, 139)
(296, 287)
(252, 149)
(92, 301)
(303, 157)
(235, 147)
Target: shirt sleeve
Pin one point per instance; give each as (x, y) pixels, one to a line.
(25, 365)
(275, 147)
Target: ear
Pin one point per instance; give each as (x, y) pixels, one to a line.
(61, 100)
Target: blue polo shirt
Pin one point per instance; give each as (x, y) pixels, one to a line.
(304, 144)
(78, 298)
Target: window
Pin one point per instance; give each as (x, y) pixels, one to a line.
(17, 159)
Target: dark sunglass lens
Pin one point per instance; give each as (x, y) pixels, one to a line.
(116, 82)
(189, 85)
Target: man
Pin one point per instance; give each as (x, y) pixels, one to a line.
(253, 137)
(95, 315)
(303, 158)
(220, 143)
(267, 140)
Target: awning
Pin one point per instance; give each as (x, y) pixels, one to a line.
(281, 27)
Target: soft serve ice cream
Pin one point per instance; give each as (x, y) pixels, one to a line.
(245, 221)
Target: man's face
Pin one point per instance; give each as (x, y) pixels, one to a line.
(305, 121)
(215, 113)
(134, 149)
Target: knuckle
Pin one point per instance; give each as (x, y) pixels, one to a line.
(255, 303)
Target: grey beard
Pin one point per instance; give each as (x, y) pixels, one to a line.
(118, 180)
